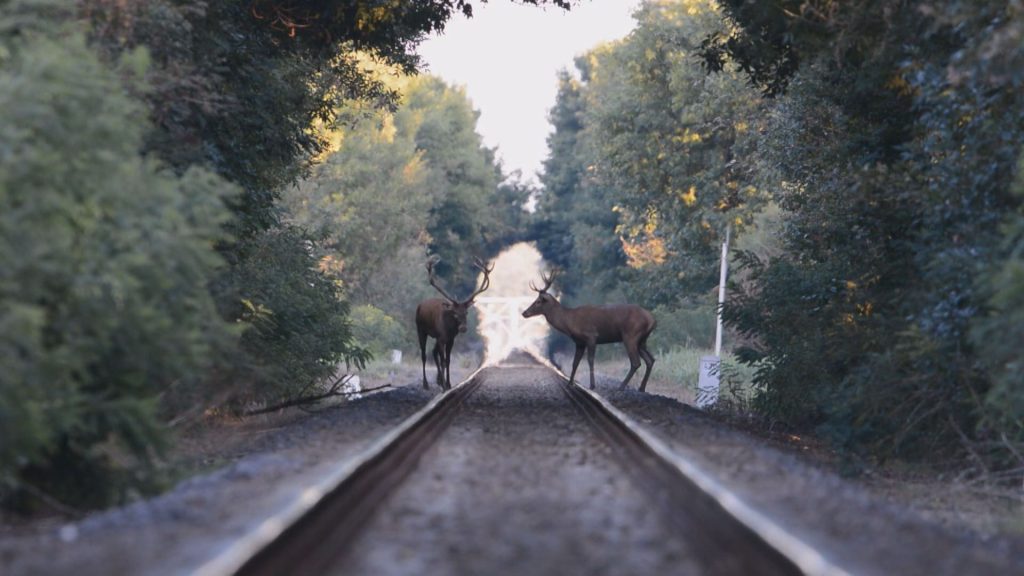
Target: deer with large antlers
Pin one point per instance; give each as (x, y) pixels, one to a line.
(589, 326)
(442, 319)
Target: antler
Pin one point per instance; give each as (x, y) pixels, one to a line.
(479, 265)
(548, 279)
(433, 279)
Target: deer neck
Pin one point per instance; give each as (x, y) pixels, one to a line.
(558, 318)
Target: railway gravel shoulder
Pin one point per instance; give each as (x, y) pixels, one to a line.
(177, 531)
(859, 532)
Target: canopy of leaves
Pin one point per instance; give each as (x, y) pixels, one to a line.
(644, 167)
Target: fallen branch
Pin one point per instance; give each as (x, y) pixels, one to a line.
(968, 445)
(52, 502)
(305, 400)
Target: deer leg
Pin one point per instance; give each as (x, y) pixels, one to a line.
(634, 361)
(423, 358)
(576, 362)
(437, 364)
(448, 364)
(649, 360)
(591, 348)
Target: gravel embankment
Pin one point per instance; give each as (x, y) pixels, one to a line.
(519, 484)
(177, 531)
(858, 531)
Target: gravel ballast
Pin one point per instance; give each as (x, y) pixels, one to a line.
(519, 484)
(179, 530)
(859, 532)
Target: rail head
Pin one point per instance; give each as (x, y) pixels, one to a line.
(805, 557)
(238, 553)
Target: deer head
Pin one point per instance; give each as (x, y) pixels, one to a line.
(544, 302)
(454, 307)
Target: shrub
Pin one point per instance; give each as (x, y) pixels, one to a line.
(296, 321)
(103, 294)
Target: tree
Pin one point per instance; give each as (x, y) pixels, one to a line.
(907, 125)
(644, 175)
(673, 143)
(576, 222)
(400, 185)
(233, 95)
(103, 297)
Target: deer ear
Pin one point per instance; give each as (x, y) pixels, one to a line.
(448, 306)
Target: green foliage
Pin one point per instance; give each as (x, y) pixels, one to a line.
(465, 219)
(401, 184)
(643, 168)
(230, 93)
(112, 207)
(103, 297)
(671, 140)
(366, 201)
(691, 326)
(895, 147)
(575, 222)
(376, 331)
(999, 334)
(297, 325)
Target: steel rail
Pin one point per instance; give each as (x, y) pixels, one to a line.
(333, 510)
(730, 536)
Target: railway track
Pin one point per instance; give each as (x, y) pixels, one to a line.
(725, 537)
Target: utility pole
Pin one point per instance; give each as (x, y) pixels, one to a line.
(710, 366)
(721, 289)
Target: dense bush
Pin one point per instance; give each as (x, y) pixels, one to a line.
(896, 143)
(122, 123)
(297, 329)
(103, 296)
(999, 333)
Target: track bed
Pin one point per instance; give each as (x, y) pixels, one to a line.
(519, 484)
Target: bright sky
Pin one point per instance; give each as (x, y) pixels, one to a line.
(507, 56)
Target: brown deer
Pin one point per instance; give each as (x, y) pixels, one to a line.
(589, 326)
(442, 319)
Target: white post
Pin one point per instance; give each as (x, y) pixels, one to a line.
(721, 290)
(708, 379)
